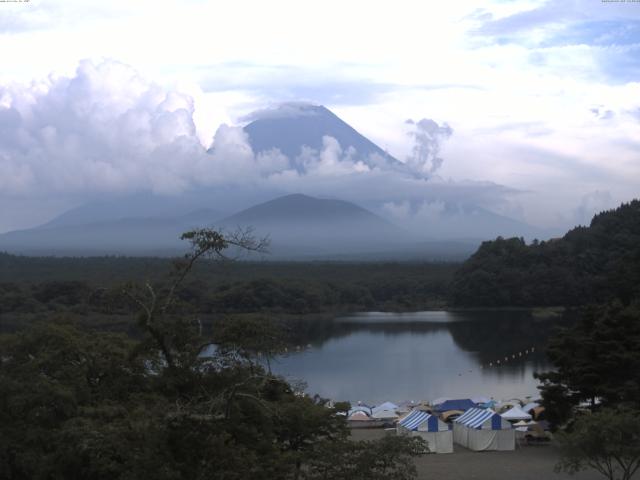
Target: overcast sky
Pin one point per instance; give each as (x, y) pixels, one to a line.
(540, 99)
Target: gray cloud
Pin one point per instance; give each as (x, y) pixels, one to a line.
(592, 203)
(428, 137)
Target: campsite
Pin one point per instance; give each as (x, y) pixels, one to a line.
(478, 444)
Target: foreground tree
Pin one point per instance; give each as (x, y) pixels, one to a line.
(79, 404)
(607, 441)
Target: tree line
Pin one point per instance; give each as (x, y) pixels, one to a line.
(588, 264)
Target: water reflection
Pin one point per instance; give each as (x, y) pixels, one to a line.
(412, 356)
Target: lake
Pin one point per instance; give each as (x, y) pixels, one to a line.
(374, 357)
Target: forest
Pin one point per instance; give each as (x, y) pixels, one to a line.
(589, 264)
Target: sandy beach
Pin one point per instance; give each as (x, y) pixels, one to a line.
(525, 463)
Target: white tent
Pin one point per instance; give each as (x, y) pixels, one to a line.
(483, 429)
(385, 415)
(430, 428)
(359, 416)
(516, 413)
(386, 410)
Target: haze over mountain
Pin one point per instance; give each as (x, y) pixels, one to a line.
(431, 222)
(298, 226)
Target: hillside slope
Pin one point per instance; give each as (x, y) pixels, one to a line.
(588, 265)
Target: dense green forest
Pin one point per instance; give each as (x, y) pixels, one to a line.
(588, 265)
(91, 288)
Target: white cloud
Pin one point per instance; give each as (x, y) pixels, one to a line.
(107, 130)
(427, 135)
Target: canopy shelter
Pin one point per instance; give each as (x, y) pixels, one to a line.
(430, 428)
(463, 404)
(483, 429)
(515, 414)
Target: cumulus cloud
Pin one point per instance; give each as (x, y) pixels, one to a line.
(428, 137)
(106, 130)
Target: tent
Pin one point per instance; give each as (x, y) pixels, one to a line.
(530, 406)
(430, 428)
(359, 416)
(384, 406)
(516, 413)
(459, 404)
(483, 429)
(360, 408)
(386, 410)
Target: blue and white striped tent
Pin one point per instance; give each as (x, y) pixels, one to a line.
(483, 429)
(430, 428)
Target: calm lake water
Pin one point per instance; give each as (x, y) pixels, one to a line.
(375, 357)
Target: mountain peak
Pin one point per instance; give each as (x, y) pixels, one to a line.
(292, 126)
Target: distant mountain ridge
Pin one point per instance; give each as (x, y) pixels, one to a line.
(298, 225)
(307, 225)
(302, 208)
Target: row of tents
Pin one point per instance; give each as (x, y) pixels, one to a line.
(477, 429)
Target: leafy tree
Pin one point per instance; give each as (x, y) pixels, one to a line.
(597, 361)
(607, 441)
(79, 404)
(389, 457)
